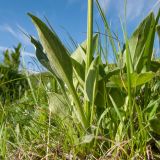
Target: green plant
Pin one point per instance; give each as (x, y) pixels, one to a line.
(106, 97)
(10, 76)
(83, 106)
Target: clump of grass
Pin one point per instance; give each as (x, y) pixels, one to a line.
(12, 82)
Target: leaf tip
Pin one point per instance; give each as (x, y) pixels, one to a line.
(29, 14)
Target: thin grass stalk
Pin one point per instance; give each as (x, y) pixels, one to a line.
(129, 90)
(29, 81)
(101, 51)
(48, 133)
(143, 136)
(129, 71)
(108, 30)
(94, 94)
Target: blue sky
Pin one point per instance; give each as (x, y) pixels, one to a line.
(68, 14)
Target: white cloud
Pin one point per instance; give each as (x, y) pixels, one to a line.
(135, 8)
(10, 30)
(28, 54)
(140, 8)
(7, 28)
(22, 36)
(17, 34)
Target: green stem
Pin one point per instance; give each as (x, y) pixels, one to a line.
(89, 53)
(129, 71)
(79, 111)
(55, 87)
(89, 34)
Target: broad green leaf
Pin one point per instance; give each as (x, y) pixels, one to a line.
(139, 37)
(141, 44)
(142, 78)
(148, 52)
(79, 71)
(155, 125)
(55, 50)
(42, 57)
(100, 99)
(57, 104)
(60, 61)
(136, 79)
(91, 80)
(78, 59)
(79, 53)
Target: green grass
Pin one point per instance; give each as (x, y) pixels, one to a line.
(83, 107)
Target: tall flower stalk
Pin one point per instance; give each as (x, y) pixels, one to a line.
(89, 34)
(89, 53)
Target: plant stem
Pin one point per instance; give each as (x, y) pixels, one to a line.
(129, 71)
(79, 110)
(89, 34)
(89, 53)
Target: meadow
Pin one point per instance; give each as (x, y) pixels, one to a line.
(83, 106)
